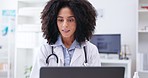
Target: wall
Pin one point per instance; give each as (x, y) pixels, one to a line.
(119, 16)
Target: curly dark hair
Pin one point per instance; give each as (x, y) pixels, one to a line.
(84, 13)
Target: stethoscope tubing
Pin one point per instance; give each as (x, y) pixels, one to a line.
(53, 54)
(47, 62)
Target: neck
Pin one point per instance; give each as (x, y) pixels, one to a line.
(67, 42)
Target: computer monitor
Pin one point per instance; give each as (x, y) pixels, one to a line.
(107, 43)
(82, 72)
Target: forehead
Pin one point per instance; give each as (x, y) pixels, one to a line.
(65, 12)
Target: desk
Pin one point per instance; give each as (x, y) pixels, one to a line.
(118, 63)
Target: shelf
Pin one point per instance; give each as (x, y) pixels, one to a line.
(30, 11)
(143, 74)
(1, 71)
(3, 59)
(143, 10)
(3, 74)
(142, 31)
(142, 71)
(27, 39)
(26, 45)
(29, 28)
(28, 36)
(114, 61)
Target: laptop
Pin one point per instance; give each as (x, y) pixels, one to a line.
(82, 72)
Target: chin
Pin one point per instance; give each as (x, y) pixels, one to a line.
(66, 36)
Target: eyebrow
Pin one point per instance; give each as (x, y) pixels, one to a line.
(68, 17)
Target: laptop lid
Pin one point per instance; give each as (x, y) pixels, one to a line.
(82, 72)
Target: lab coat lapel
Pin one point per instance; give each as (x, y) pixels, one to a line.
(59, 52)
(77, 53)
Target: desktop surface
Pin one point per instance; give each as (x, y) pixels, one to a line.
(82, 72)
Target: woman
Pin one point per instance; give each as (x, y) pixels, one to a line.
(67, 26)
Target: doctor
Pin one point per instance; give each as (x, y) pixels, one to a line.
(67, 26)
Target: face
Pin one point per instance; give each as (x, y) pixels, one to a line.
(66, 23)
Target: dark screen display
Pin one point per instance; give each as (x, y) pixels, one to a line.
(107, 43)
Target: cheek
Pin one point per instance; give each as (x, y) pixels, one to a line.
(59, 26)
(74, 28)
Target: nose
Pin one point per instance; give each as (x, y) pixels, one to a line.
(65, 24)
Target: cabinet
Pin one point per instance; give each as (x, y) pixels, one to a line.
(4, 56)
(118, 63)
(7, 36)
(142, 38)
(28, 35)
(4, 65)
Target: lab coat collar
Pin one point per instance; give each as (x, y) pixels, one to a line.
(76, 55)
(78, 52)
(58, 51)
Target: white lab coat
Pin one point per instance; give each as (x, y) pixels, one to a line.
(78, 58)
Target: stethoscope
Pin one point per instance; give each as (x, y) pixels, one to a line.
(53, 54)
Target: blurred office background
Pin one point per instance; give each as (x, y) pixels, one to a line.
(21, 36)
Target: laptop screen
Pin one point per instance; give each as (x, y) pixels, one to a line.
(82, 72)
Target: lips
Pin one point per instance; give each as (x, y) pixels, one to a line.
(65, 30)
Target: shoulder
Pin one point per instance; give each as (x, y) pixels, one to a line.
(92, 54)
(45, 49)
(90, 47)
(45, 46)
(88, 44)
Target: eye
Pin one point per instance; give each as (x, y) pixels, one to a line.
(60, 20)
(71, 20)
